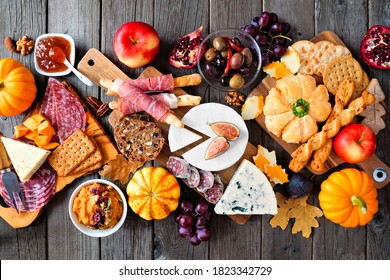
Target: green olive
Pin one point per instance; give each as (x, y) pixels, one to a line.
(210, 54)
(237, 81)
(237, 60)
(219, 44)
(224, 53)
(248, 56)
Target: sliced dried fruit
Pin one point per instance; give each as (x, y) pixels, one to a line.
(226, 130)
(216, 148)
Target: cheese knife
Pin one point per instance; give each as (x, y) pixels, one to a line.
(9, 179)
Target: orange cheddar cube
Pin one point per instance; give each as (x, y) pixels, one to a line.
(50, 146)
(34, 121)
(31, 135)
(42, 140)
(46, 128)
(20, 131)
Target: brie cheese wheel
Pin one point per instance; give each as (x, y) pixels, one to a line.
(248, 193)
(25, 158)
(181, 138)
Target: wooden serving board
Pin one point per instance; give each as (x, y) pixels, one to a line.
(95, 131)
(96, 66)
(333, 160)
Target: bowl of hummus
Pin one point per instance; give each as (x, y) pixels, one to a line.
(97, 208)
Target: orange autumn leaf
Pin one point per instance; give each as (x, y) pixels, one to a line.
(305, 218)
(281, 219)
(276, 173)
(120, 169)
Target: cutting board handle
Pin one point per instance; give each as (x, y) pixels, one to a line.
(377, 169)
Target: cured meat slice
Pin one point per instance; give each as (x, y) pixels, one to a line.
(194, 179)
(137, 96)
(158, 83)
(206, 180)
(127, 106)
(214, 194)
(179, 167)
(63, 109)
(36, 192)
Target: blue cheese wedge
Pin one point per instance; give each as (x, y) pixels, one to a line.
(249, 193)
(25, 158)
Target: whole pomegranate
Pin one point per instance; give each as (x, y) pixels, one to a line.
(375, 47)
(185, 52)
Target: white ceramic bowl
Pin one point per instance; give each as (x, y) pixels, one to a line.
(72, 54)
(96, 232)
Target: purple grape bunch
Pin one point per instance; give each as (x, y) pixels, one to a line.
(194, 221)
(270, 35)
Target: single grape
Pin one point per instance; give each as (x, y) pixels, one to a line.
(186, 206)
(250, 29)
(207, 215)
(280, 41)
(201, 207)
(262, 39)
(255, 22)
(203, 234)
(184, 232)
(279, 50)
(285, 27)
(273, 17)
(194, 240)
(265, 60)
(186, 220)
(201, 222)
(276, 28)
(177, 216)
(264, 19)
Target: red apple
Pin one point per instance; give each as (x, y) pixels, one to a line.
(136, 44)
(354, 143)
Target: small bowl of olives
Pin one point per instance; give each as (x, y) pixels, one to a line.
(229, 60)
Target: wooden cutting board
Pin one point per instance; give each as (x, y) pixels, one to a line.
(95, 131)
(369, 166)
(96, 66)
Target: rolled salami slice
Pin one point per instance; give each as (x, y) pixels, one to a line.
(179, 167)
(214, 194)
(206, 180)
(194, 179)
(36, 192)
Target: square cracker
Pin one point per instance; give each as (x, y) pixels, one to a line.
(92, 161)
(73, 151)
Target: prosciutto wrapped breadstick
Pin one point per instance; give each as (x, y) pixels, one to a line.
(126, 106)
(164, 82)
(156, 109)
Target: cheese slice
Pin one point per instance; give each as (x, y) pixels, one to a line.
(25, 158)
(181, 139)
(249, 193)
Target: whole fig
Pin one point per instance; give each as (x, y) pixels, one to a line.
(298, 186)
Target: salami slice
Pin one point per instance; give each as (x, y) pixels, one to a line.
(206, 180)
(180, 168)
(36, 192)
(158, 83)
(214, 194)
(63, 109)
(194, 179)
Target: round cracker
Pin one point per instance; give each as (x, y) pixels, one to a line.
(303, 47)
(340, 68)
(318, 53)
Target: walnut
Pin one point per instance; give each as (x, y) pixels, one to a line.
(24, 45)
(235, 99)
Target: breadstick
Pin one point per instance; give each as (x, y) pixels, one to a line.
(302, 155)
(187, 80)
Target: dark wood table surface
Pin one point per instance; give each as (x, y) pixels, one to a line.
(92, 24)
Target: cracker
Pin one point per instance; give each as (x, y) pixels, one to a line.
(92, 160)
(303, 47)
(361, 87)
(317, 54)
(73, 151)
(89, 169)
(340, 68)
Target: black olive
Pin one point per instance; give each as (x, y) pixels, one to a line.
(212, 70)
(225, 80)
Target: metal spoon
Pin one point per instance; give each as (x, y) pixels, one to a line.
(56, 54)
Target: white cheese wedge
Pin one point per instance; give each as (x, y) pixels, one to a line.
(25, 158)
(249, 193)
(291, 60)
(181, 138)
(252, 107)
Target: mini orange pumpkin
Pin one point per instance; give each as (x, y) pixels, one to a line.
(17, 87)
(348, 197)
(153, 193)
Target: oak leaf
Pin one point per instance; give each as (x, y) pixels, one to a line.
(120, 169)
(305, 218)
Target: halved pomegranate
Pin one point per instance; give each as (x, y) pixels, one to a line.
(375, 47)
(184, 54)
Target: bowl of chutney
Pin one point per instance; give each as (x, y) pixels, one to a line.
(43, 54)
